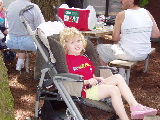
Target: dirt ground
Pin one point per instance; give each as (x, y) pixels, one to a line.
(145, 87)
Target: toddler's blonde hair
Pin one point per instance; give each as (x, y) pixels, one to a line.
(70, 32)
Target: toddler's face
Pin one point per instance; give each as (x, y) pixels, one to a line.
(74, 45)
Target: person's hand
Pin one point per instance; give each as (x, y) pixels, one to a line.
(4, 9)
(100, 80)
(92, 81)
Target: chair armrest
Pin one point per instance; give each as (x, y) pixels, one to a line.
(69, 77)
(73, 83)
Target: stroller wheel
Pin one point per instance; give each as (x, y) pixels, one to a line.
(9, 55)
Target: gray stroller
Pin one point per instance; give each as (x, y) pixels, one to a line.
(60, 90)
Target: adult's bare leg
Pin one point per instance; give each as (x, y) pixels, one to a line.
(102, 63)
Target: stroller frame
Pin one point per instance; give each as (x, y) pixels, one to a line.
(56, 79)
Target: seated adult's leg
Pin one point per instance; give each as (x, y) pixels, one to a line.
(105, 53)
(102, 63)
(20, 61)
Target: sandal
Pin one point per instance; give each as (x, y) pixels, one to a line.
(140, 111)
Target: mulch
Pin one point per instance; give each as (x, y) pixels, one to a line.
(145, 87)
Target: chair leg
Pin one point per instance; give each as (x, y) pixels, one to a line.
(127, 76)
(43, 71)
(146, 64)
(27, 62)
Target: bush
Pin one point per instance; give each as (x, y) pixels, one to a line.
(6, 98)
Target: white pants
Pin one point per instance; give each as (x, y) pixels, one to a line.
(109, 52)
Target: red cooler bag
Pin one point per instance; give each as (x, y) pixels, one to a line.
(77, 18)
(82, 19)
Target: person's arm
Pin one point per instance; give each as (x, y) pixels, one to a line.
(117, 27)
(94, 81)
(155, 31)
(86, 82)
(91, 81)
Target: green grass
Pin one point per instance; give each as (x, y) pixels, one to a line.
(6, 98)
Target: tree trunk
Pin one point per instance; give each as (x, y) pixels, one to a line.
(154, 8)
(46, 7)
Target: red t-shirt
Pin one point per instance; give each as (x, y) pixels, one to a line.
(80, 65)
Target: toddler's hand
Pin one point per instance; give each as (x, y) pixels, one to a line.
(92, 81)
(100, 80)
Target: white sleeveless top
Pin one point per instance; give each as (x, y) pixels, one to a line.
(136, 32)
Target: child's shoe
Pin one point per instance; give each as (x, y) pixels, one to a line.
(19, 66)
(140, 111)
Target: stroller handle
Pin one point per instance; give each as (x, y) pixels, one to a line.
(25, 9)
(56, 16)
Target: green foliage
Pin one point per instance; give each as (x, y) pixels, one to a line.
(143, 3)
(115, 1)
(6, 98)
